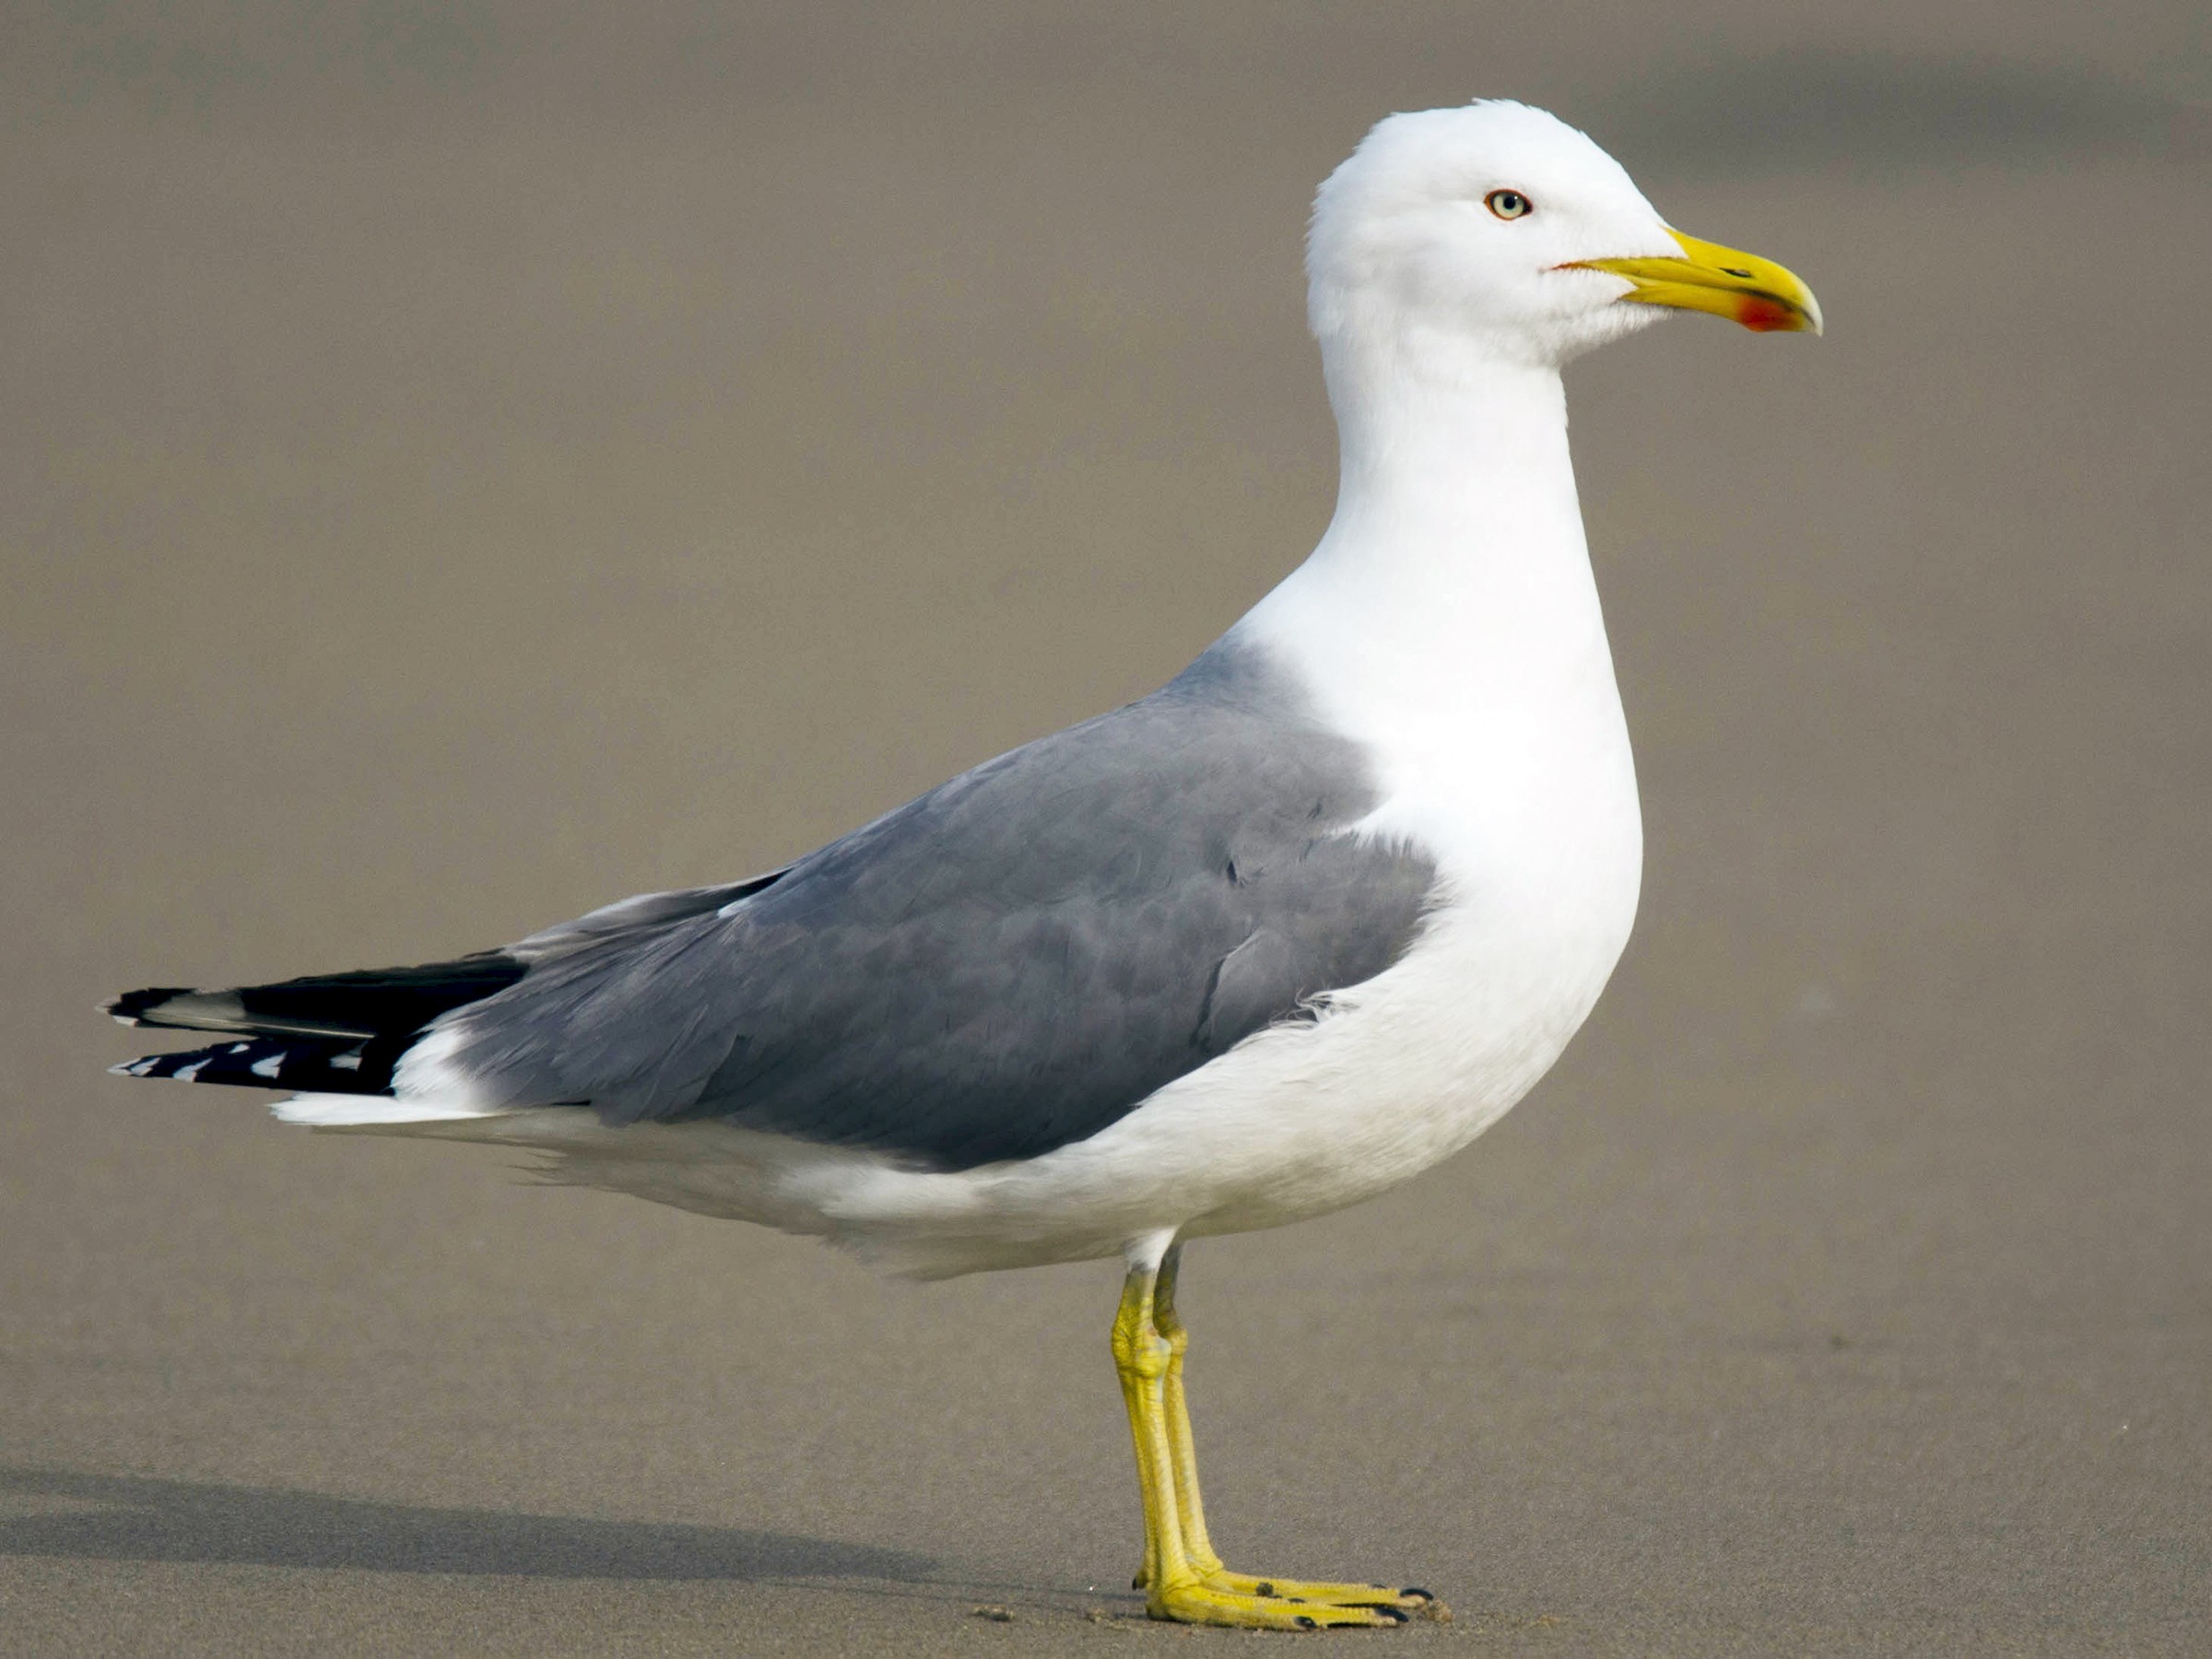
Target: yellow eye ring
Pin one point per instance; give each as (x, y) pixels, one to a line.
(1508, 204)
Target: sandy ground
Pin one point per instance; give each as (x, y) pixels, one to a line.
(462, 467)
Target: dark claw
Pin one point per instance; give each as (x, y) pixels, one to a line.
(1304, 1623)
(1417, 1590)
(1396, 1615)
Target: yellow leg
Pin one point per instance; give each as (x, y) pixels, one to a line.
(1182, 1576)
(1190, 1506)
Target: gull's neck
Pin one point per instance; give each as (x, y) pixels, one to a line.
(1449, 626)
(1453, 578)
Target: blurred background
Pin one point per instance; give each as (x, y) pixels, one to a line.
(464, 463)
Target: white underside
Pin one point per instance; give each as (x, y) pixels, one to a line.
(1449, 624)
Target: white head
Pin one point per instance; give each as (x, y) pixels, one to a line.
(1499, 230)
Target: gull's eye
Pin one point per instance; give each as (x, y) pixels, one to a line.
(1507, 204)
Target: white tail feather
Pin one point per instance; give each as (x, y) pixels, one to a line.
(344, 1111)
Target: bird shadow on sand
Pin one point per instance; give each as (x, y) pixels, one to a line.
(61, 1513)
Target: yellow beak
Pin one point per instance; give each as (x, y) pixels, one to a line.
(1756, 292)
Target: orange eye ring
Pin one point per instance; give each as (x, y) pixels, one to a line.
(1509, 203)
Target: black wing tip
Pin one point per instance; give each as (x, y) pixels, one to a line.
(130, 1006)
(184, 1068)
(376, 1002)
(319, 1066)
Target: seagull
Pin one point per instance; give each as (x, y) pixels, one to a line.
(1259, 945)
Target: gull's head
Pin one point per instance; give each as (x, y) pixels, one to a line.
(1499, 228)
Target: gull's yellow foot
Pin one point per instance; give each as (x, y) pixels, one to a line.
(1323, 1593)
(1199, 1601)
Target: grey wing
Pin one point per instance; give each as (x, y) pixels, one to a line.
(1004, 966)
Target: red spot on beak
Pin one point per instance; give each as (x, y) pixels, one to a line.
(1762, 315)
